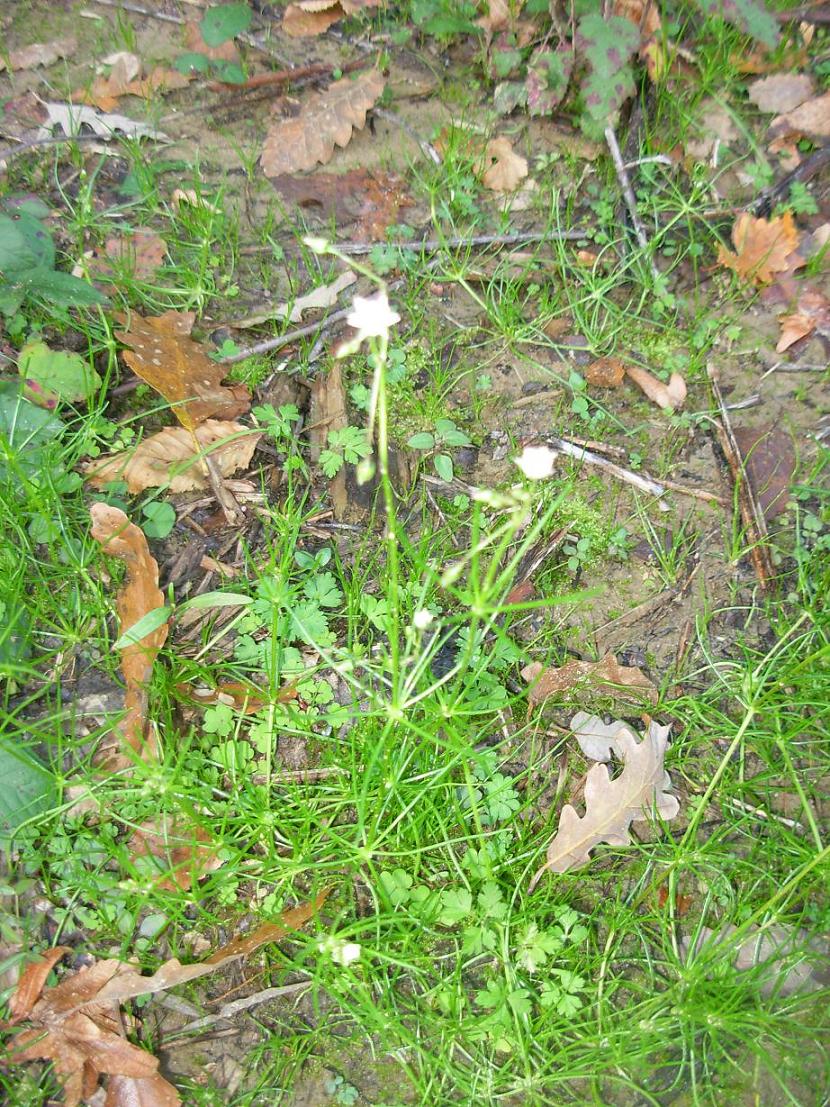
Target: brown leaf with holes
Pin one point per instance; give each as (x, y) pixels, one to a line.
(612, 805)
(39, 53)
(184, 854)
(763, 247)
(162, 354)
(326, 120)
(139, 596)
(502, 167)
(170, 458)
(607, 673)
(667, 396)
(605, 372)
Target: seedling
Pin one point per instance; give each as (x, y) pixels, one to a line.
(447, 434)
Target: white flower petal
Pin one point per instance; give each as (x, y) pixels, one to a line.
(372, 316)
(536, 462)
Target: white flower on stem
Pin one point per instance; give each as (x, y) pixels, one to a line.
(536, 462)
(372, 317)
(421, 619)
(342, 953)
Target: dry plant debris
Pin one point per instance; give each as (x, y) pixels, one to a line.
(162, 353)
(574, 674)
(78, 1024)
(139, 596)
(780, 92)
(503, 168)
(308, 18)
(184, 853)
(812, 313)
(326, 120)
(611, 805)
(175, 457)
(667, 396)
(763, 247)
(124, 79)
(39, 53)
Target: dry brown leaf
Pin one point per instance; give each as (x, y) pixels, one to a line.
(612, 805)
(595, 674)
(502, 167)
(371, 198)
(141, 252)
(812, 312)
(186, 854)
(124, 79)
(776, 953)
(810, 119)
(644, 14)
(605, 372)
(32, 982)
(769, 462)
(77, 1024)
(40, 53)
(324, 296)
(760, 61)
(498, 17)
(302, 21)
(763, 247)
(140, 595)
(780, 92)
(170, 457)
(598, 740)
(667, 396)
(326, 120)
(164, 356)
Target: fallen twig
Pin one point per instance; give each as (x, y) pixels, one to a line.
(751, 511)
(628, 195)
(228, 1010)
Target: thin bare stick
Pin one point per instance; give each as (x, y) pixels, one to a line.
(287, 338)
(136, 9)
(628, 195)
(752, 513)
(574, 235)
(228, 1010)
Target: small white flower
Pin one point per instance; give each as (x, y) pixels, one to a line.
(536, 462)
(342, 953)
(316, 245)
(371, 316)
(421, 619)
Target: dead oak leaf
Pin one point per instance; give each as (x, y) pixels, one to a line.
(326, 120)
(612, 805)
(138, 597)
(309, 18)
(162, 354)
(171, 458)
(594, 674)
(763, 247)
(39, 53)
(502, 168)
(809, 120)
(667, 396)
(780, 92)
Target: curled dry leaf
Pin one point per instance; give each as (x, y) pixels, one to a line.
(667, 396)
(605, 372)
(763, 247)
(780, 92)
(812, 313)
(77, 1024)
(171, 458)
(162, 354)
(612, 805)
(138, 597)
(124, 80)
(185, 854)
(594, 674)
(39, 53)
(324, 296)
(326, 120)
(502, 168)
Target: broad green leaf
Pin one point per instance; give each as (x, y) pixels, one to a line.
(25, 244)
(159, 519)
(61, 288)
(61, 374)
(750, 16)
(27, 789)
(223, 22)
(422, 441)
(443, 466)
(145, 625)
(24, 429)
(191, 63)
(607, 45)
